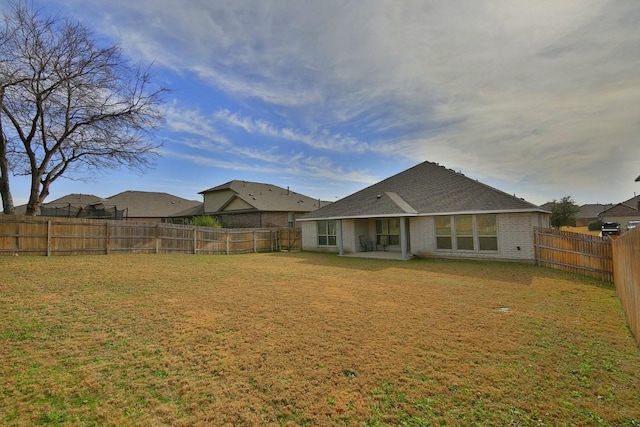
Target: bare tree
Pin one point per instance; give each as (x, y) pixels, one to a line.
(68, 105)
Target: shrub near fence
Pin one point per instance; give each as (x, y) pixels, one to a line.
(62, 236)
(626, 271)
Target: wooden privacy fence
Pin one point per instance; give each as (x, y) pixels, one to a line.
(21, 235)
(626, 272)
(574, 252)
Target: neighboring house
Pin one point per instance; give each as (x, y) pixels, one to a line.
(239, 204)
(77, 206)
(148, 206)
(590, 212)
(427, 211)
(129, 205)
(623, 212)
(185, 216)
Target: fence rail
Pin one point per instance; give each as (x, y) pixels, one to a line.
(578, 253)
(626, 271)
(62, 236)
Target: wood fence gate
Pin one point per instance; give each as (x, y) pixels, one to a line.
(574, 252)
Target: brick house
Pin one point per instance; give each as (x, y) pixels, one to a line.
(622, 213)
(429, 211)
(240, 204)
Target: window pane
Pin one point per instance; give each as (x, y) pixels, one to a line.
(464, 225)
(394, 226)
(443, 226)
(394, 240)
(322, 227)
(488, 243)
(487, 225)
(331, 228)
(443, 242)
(322, 240)
(465, 243)
(332, 240)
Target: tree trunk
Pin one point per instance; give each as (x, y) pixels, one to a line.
(33, 205)
(5, 189)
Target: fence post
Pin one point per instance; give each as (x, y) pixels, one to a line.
(106, 237)
(48, 238)
(228, 235)
(195, 240)
(157, 238)
(255, 243)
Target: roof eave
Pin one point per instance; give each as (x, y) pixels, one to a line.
(480, 212)
(408, 215)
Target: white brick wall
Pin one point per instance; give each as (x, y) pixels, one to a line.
(515, 230)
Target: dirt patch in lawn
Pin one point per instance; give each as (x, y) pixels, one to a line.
(309, 339)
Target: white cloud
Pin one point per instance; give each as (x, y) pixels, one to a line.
(540, 92)
(322, 141)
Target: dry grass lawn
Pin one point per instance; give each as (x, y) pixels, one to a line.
(581, 230)
(306, 339)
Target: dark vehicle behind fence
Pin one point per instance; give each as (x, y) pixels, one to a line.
(610, 228)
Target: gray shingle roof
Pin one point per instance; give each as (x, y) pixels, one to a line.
(427, 188)
(75, 200)
(592, 210)
(144, 204)
(267, 197)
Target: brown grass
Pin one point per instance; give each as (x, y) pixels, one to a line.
(581, 230)
(309, 339)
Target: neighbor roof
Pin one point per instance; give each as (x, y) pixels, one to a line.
(592, 210)
(75, 200)
(268, 197)
(633, 202)
(621, 209)
(144, 204)
(425, 189)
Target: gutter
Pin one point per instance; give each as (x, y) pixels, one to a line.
(409, 215)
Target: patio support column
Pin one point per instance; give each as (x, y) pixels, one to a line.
(403, 237)
(340, 245)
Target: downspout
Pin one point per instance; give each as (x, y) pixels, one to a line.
(403, 237)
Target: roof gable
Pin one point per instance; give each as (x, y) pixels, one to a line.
(261, 197)
(633, 202)
(621, 209)
(425, 189)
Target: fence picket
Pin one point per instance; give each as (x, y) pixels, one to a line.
(74, 236)
(574, 252)
(626, 271)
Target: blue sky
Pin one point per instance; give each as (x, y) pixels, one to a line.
(537, 98)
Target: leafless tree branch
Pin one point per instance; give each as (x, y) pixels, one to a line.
(67, 104)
